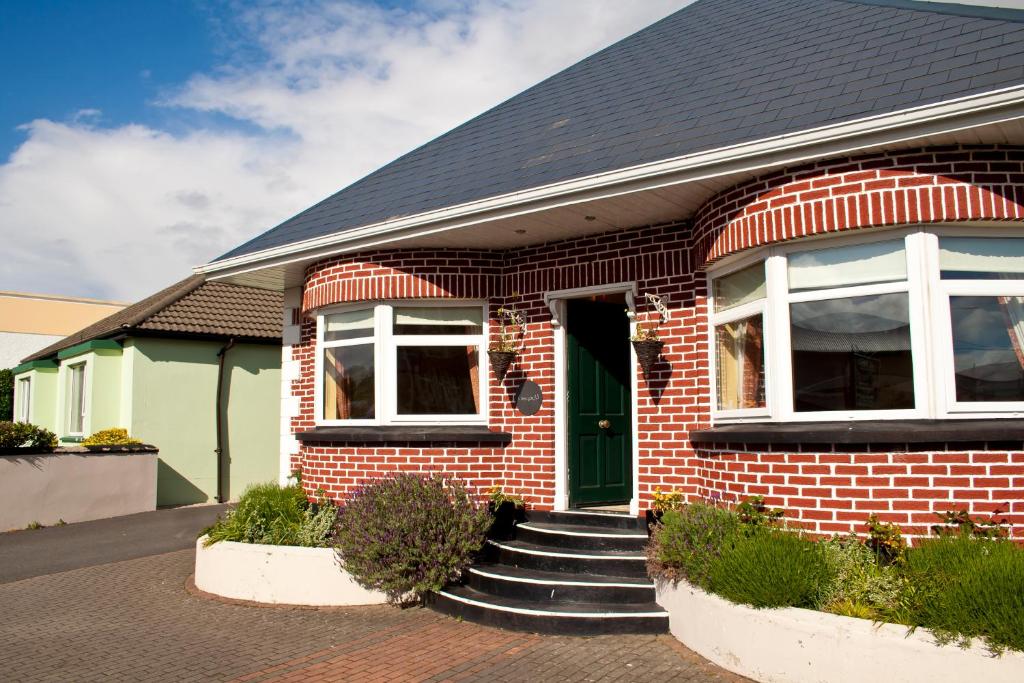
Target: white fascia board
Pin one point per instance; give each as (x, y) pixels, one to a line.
(834, 139)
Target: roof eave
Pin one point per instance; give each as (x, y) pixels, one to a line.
(994, 107)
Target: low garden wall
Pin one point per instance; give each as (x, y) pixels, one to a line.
(278, 574)
(75, 485)
(793, 645)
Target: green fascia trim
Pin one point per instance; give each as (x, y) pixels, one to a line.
(48, 364)
(93, 345)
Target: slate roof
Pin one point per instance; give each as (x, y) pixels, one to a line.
(190, 307)
(716, 73)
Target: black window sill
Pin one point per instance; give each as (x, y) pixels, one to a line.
(1002, 431)
(403, 434)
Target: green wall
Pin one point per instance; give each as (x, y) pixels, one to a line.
(43, 396)
(174, 390)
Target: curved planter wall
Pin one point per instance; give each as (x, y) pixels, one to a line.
(803, 646)
(277, 574)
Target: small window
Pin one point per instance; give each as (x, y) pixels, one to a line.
(76, 399)
(988, 347)
(739, 300)
(24, 399)
(402, 363)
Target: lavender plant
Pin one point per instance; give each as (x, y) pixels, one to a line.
(409, 534)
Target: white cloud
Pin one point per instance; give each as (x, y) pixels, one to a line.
(343, 88)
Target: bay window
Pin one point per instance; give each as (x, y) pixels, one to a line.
(897, 324)
(401, 363)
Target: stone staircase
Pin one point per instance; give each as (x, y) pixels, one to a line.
(579, 573)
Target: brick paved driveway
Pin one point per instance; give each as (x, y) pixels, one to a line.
(134, 621)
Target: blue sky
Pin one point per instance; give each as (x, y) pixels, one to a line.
(139, 138)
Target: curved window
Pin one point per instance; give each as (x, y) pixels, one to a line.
(906, 324)
(397, 363)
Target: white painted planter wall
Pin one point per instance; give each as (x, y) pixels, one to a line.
(278, 574)
(804, 646)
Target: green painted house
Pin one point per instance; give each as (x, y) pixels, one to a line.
(194, 369)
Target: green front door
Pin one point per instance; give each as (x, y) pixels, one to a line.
(599, 410)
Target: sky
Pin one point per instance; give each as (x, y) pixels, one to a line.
(141, 138)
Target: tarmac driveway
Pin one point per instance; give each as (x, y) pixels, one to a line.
(67, 616)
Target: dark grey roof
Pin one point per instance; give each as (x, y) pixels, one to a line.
(716, 73)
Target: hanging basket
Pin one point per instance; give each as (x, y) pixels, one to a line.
(500, 360)
(647, 352)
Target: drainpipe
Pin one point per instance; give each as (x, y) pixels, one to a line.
(220, 419)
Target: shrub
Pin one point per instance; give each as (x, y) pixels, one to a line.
(688, 540)
(886, 540)
(409, 534)
(6, 395)
(966, 588)
(961, 522)
(770, 568)
(754, 513)
(276, 515)
(25, 435)
(118, 436)
(860, 585)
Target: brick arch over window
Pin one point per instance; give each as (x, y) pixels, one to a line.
(402, 274)
(929, 185)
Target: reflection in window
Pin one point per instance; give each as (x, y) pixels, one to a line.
(740, 362)
(988, 347)
(852, 354)
(740, 287)
(438, 380)
(438, 320)
(981, 258)
(348, 383)
(348, 325)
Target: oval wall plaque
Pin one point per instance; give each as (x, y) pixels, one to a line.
(529, 398)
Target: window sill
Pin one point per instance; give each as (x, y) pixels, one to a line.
(405, 434)
(1000, 431)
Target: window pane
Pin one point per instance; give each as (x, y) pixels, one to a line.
(858, 264)
(348, 383)
(76, 404)
(24, 399)
(852, 354)
(348, 325)
(438, 380)
(740, 364)
(988, 347)
(740, 287)
(439, 320)
(981, 258)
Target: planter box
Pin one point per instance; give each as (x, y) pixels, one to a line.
(278, 574)
(74, 485)
(804, 646)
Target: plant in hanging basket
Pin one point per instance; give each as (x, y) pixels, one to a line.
(645, 339)
(503, 350)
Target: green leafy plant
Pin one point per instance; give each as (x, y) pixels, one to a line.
(754, 513)
(965, 587)
(32, 526)
(408, 534)
(886, 540)
(961, 522)
(6, 395)
(687, 541)
(511, 328)
(25, 435)
(860, 586)
(117, 436)
(276, 515)
(496, 496)
(770, 568)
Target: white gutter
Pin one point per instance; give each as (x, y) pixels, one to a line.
(993, 107)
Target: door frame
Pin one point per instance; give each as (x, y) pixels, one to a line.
(555, 301)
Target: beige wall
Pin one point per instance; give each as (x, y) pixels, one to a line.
(42, 314)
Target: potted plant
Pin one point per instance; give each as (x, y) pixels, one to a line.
(507, 510)
(645, 339)
(503, 351)
(662, 503)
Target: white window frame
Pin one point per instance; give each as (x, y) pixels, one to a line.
(385, 345)
(69, 397)
(930, 329)
(24, 393)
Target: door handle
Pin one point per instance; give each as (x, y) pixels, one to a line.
(604, 424)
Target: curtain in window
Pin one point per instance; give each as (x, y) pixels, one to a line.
(474, 376)
(1012, 308)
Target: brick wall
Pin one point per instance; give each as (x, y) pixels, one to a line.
(829, 491)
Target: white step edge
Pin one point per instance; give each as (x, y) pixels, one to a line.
(546, 613)
(528, 525)
(545, 553)
(595, 513)
(543, 582)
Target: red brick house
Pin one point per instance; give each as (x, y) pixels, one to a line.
(827, 196)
